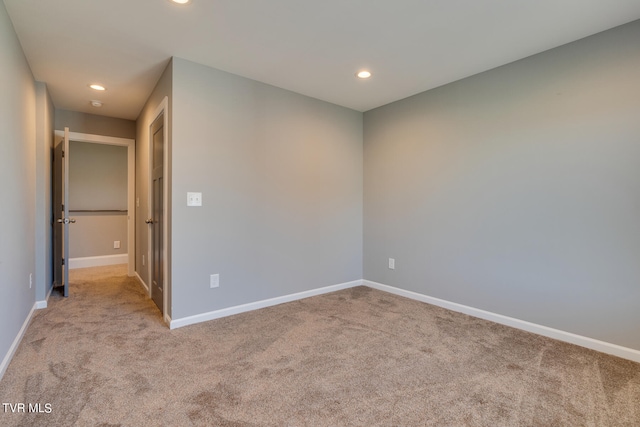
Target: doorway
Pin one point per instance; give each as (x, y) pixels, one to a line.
(61, 228)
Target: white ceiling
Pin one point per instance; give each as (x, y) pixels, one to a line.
(310, 47)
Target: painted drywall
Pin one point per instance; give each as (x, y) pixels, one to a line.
(281, 180)
(162, 89)
(94, 124)
(97, 181)
(43, 277)
(517, 191)
(94, 234)
(18, 176)
(97, 176)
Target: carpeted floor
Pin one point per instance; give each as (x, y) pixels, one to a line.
(358, 357)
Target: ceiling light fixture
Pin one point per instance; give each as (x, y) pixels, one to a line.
(364, 74)
(96, 104)
(97, 87)
(181, 1)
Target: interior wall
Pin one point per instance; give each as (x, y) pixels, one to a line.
(43, 277)
(281, 180)
(94, 234)
(18, 174)
(163, 88)
(97, 176)
(97, 182)
(517, 191)
(94, 124)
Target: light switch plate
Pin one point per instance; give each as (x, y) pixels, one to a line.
(194, 199)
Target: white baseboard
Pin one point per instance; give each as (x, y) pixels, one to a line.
(167, 318)
(144, 285)
(190, 320)
(43, 304)
(16, 343)
(98, 261)
(593, 344)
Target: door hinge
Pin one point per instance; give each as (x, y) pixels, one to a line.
(62, 261)
(62, 153)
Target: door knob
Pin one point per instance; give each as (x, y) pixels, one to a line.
(66, 221)
(149, 221)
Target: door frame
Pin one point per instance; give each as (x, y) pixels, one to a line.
(131, 184)
(162, 108)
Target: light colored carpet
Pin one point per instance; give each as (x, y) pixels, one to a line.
(358, 357)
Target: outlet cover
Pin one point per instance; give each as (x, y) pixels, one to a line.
(392, 264)
(214, 281)
(116, 244)
(194, 199)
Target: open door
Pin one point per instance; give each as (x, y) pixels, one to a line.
(61, 213)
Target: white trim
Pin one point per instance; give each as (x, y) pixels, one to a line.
(97, 261)
(16, 342)
(43, 304)
(593, 344)
(96, 139)
(142, 282)
(211, 315)
(131, 182)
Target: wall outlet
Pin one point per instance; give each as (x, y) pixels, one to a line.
(194, 199)
(143, 260)
(214, 281)
(116, 244)
(392, 264)
(30, 280)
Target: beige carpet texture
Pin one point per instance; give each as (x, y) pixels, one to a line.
(357, 357)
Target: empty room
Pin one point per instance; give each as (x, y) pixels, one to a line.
(231, 213)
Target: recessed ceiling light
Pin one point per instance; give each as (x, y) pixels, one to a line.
(364, 74)
(181, 1)
(96, 104)
(97, 87)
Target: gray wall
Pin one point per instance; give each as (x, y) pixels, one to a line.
(281, 178)
(97, 176)
(163, 88)
(43, 277)
(517, 191)
(17, 174)
(97, 181)
(94, 124)
(93, 234)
